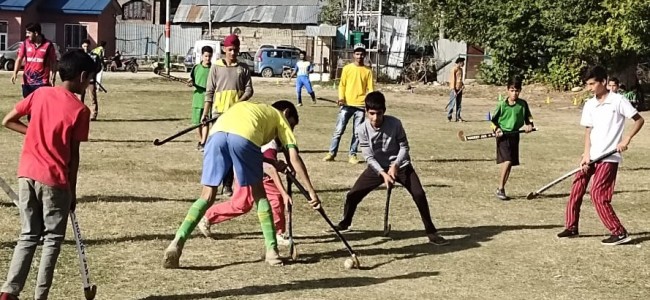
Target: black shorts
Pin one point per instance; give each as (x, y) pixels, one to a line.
(508, 149)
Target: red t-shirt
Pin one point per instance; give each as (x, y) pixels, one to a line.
(57, 119)
(37, 62)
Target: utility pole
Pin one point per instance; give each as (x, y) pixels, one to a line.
(210, 19)
(168, 29)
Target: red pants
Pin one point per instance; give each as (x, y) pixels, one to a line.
(242, 202)
(602, 189)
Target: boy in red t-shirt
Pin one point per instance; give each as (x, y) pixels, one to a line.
(47, 171)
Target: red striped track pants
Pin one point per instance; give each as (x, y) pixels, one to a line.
(602, 189)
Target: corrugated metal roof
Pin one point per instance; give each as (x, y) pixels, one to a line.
(251, 2)
(282, 14)
(15, 5)
(79, 7)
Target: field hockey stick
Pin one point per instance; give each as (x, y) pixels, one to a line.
(173, 78)
(292, 246)
(12, 195)
(303, 191)
(158, 142)
(454, 100)
(101, 87)
(473, 137)
(386, 210)
(90, 290)
(534, 194)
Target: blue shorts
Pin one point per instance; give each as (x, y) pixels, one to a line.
(223, 151)
(303, 80)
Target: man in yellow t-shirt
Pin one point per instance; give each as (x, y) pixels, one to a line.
(356, 82)
(235, 141)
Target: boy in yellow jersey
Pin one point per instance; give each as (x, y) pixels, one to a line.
(356, 82)
(235, 141)
(229, 82)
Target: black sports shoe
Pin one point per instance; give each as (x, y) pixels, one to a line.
(568, 233)
(616, 239)
(227, 191)
(437, 240)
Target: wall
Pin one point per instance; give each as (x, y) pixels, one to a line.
(106, 29)
(254, 35)
(62, 20)
(140, 40)
(15, 31)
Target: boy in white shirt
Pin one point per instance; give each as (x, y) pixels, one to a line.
(604, 118)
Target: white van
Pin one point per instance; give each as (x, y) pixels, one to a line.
(216, 47)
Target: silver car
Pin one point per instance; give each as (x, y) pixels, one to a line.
(8, 57)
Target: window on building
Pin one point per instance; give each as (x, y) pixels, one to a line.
(136, 10)
(4, 25)
(74, 34)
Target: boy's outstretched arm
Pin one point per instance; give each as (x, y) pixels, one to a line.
(299, 166)
(12, 121)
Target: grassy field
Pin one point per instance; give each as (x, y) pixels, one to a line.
(133, 196)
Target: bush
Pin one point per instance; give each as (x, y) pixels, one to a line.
(562, 73)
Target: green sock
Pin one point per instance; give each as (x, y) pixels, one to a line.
(198, 209)
(266, 220)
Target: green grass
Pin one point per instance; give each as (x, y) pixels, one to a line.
(134, 195)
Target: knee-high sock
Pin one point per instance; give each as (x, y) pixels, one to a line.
(266, 220)
(192, 219)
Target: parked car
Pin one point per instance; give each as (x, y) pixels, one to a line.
(244, 57)
(269, 46)
(8, 57)
(270, 62)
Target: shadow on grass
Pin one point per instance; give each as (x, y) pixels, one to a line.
(453, 160)
(135, 141)
(566, 195)
(314, 151)
(127, 198)
(325, 99)
(141, 120)
(472, 237)
(640, 237)
(298, 285)
(399, 187)
(7, 204)
(635, 169)
(214, 268)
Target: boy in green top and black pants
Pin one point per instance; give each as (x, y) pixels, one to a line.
(510, 115)
(199, 78)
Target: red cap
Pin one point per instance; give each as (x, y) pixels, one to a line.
(231, 40)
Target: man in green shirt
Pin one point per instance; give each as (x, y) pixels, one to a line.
(510, 115)
(199, 78)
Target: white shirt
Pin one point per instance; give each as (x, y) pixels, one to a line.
(607, 121)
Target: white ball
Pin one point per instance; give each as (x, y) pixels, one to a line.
(349, 263)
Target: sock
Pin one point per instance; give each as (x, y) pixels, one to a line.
(300, 97)
(313, 96)
(198, 209)
(266, 220)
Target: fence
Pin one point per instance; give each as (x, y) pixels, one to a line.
(146, 40)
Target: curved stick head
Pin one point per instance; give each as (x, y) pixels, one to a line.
(531, 195)
(157, 142)
(90, 292)
(387, 230)
(294, 252)
(355, 259)
(461, 135)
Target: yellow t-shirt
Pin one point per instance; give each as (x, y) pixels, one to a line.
(256, 122)
(356, 82)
